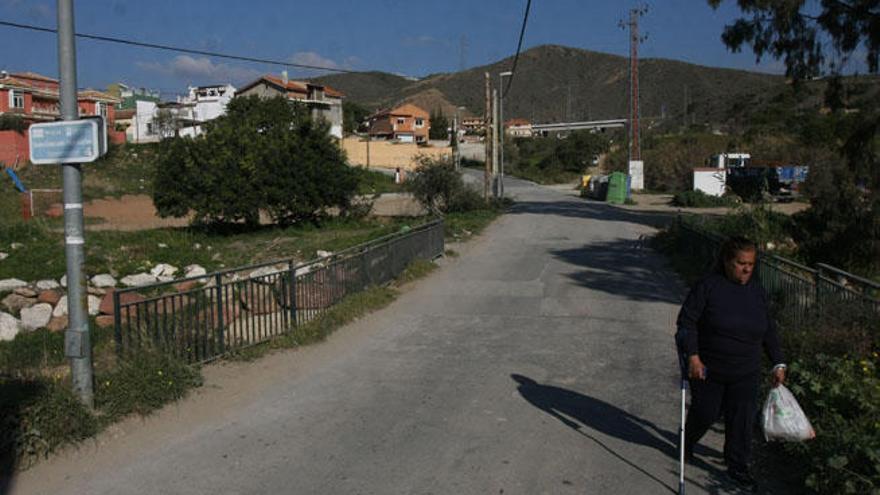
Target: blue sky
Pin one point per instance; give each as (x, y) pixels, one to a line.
(411, 37)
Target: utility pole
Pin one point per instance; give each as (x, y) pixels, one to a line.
(76, 339)
(486, 123)
(685, 110)
(501, 77)
(636, 166)
(496, 183)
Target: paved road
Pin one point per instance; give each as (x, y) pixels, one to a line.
(538, 361)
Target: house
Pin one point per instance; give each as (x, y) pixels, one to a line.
(34, 98)
(406, 123)
(473, 125)
(130, 96)
(323, 101)
(518, 128)
(151, 121)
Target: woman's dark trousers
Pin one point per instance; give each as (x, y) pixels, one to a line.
(736, 398)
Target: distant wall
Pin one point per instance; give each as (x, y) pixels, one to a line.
(388, 154)
(12, 145)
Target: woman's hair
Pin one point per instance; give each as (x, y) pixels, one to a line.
(731, 247)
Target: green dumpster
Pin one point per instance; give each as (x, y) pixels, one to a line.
(616, 188)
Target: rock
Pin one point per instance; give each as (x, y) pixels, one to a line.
(11, 284)
(96, 291)
(105, 321)
(15, 303)
(49, 297)
(194, 271)
(26, 292)
(197, 246)
(3, 256)
(216, 257)
(94, 304)
(57, 324)
(47, 285)
(36, 316)
(324, 254)
(60, 307)
(16, 245)
(304, 269)
(163, 270)
(64, 281)
(138, 279)
(164, 278)
(106, 305)
(162, 245)
(104, 280)
(186, 286)
(265, 271)
(9, 326)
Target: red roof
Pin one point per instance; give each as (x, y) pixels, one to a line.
(293, 86)
(34, 76)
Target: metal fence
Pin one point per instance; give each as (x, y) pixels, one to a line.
(200, 318)
(798, 292)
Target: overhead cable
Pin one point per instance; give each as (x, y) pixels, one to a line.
(522, 33)
(178, 49)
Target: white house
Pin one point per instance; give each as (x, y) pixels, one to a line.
(201, 104)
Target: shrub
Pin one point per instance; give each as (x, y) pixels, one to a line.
(12, 123)
(264, 154)
(439, 187)
(699, 199)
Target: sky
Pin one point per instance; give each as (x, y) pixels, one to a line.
(407, 37)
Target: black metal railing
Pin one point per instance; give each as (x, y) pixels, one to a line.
(200, 318)
(796, 291)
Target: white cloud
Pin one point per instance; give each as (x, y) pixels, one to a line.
(312, 58)
(201, 70)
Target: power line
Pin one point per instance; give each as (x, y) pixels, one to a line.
(522, 33)
(180, 49)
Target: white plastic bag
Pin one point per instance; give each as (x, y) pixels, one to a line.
(784, 419)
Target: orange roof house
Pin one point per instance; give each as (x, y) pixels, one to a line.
(406, 123)
(35, 98)
(325, 102)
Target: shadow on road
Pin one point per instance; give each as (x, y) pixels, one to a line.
(620, 267)
(588, 415)
(586, 209)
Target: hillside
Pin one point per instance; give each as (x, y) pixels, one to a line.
(556, 83)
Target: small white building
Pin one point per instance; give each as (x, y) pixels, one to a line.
(141, 129)
(201, 104)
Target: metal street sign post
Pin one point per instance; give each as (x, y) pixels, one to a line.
(83, 143)
(77, 141)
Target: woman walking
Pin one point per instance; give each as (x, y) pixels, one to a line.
(723, 326)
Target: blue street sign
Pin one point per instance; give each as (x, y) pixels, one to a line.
(76, 141)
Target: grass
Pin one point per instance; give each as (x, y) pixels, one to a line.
(126, 252)
(373, 182)
(460, 226)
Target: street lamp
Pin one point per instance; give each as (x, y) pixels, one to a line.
(501, 77)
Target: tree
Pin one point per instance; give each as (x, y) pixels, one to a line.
(353, 115)
(263, 155)
(166, 123)
(842, 225)
(439, 125)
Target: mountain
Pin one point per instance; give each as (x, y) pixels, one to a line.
(557, 83)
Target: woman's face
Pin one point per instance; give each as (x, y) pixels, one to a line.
(739, 269)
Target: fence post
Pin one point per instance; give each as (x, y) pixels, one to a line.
(117, 322)
(818, 286)
(218, 281)
(291, 292)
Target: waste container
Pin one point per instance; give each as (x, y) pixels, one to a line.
(616, 188)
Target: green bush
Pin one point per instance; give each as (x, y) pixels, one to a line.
(438, 186)
(264, 154)
(699, 199)
(12, 123)
(143, 383)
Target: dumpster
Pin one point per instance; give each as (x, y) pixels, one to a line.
(597, 188)
(616, 188)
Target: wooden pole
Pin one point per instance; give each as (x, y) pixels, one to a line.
(487, 118)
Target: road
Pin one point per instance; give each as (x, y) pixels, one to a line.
(540, 360)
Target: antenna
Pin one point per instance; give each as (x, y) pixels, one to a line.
(635, 151)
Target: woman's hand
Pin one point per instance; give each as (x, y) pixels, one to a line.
(778, 377)
(696, 368)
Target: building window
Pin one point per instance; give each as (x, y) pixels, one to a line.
(16, 99)
(401, 121)
(420, 122)
(101, 110)
(150, 130)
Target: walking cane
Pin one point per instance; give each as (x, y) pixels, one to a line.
(682, 364)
